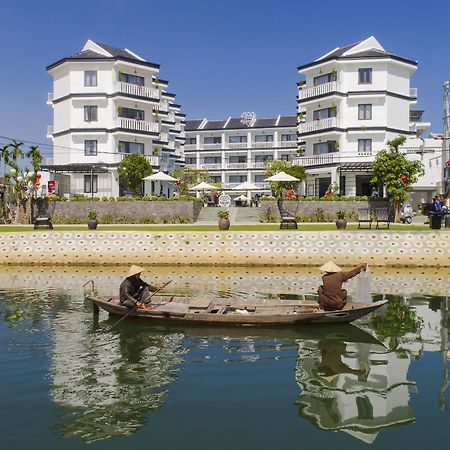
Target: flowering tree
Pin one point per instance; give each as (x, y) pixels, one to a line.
(188, 177)
(392, 169)
(273, 167)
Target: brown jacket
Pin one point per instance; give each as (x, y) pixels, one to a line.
(331, 295)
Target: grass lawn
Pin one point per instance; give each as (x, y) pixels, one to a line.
(302, 227)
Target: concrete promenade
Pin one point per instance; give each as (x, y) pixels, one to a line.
(252, 248)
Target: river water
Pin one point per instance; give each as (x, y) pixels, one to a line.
(70, 381)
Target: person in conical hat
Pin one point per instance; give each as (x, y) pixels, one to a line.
(331, 295)
(135, 292)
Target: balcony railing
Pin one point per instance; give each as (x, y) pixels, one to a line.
(270, 144)
(164, 137)
(321, 89)
(211, 166)
(212, 146)
(287, 144)
(134, 89)
(413, 92)
(316, 125)
(316, 160)
(190, 147)
(50, 130)
(138, 125)
(50, 97)
(236, 165)
(237, 145)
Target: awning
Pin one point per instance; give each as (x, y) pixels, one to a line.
(356, 167)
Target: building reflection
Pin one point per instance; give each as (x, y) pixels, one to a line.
(352, 384)
(106, 382)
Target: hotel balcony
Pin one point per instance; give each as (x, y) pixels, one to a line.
(190, 147)
(315, 160)
(318, 125)
(137, 125)
(321, 89)
(140, 91)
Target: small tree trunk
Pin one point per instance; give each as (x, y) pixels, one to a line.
(24, 212)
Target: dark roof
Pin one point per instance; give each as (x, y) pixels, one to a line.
(370, 53)
(192, 125)
(235, 123)
(78, 167)
(117, 52)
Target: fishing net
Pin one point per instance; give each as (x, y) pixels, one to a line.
(363, 286)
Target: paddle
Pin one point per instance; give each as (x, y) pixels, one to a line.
(145, 301)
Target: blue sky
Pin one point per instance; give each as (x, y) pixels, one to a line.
(221, 57)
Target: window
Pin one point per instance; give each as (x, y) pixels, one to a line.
(212, 140)
(364, 112)
(365, 76)
(322, 79)
(324, 113)
(90, 148)
(130, 147)
(264, 138)
(237, 139)
(212, 160)
(289, 137)
(90, 113)
(260, 178)
(133, 79)
(364, 145)
(284, 158)
(237, 178)
(90, 184)
(192, 160)
(237, 159)
(131, 113)
(263, 158)
(216, 178)
(191, 141)
(324, 147)
(90, 78)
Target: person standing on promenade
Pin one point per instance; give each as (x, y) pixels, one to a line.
(331, 295)
(133, 290)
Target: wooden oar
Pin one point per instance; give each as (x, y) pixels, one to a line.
(136, 307)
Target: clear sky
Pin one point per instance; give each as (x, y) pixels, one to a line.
(221, 57)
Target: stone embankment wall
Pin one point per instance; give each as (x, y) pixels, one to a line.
(310, 207)
(131, 211)
(291, 248)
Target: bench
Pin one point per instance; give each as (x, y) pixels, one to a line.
(364, 217)
(382, 216)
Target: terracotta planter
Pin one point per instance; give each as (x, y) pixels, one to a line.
(92, 224)
(224, 224)
(341, 224)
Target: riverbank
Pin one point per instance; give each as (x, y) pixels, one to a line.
(382, 248)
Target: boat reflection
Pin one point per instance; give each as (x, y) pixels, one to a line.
(352, 383)
(106, 381)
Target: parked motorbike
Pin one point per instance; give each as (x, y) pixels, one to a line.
(406, 213)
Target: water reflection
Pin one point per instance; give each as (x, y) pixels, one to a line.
(352, 384)
(106, 381)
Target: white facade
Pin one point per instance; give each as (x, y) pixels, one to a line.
(353, 100)
(233, 152)
(108, 102)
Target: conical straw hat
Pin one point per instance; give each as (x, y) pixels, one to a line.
(330, 267)
(134, 270)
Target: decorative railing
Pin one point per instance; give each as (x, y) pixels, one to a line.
(135, 89)
(321, 89)
(138, 125)
(316, 125)
(315, 160)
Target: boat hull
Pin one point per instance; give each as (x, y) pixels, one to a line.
(224, 312)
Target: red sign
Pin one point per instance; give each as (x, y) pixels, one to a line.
(50, 187)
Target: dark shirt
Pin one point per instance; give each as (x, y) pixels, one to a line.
(131, 288)
(331, 294)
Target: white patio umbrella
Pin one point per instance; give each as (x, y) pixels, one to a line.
(203, 186)
(241, 197)
(159, 176)
(281, 176)
(247, 186)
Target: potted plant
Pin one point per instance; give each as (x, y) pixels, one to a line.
(224, 221)
(341, 222)
(92, 219)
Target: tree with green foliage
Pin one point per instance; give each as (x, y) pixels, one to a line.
(278, 187)
(189, 177)
(132, 169)
(393, 170)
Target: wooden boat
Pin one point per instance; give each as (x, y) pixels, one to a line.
(235, 311)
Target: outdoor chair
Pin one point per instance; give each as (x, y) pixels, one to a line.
(382, 216)
(364, 217)
(288, 220)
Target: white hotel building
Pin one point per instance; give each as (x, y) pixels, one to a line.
(352, 101)
(108, 102)
(234, 152)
